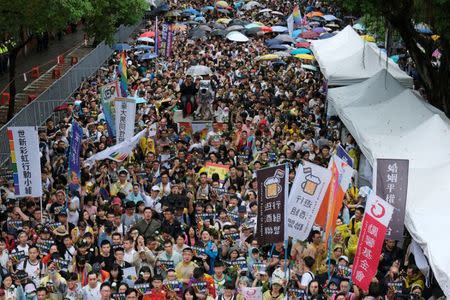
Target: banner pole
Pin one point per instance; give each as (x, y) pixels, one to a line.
(42, 209)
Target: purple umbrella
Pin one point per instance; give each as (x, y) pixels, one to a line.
(319, 29)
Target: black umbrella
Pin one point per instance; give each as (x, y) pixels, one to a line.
(252, 31)
(238, 22)
(219, 32)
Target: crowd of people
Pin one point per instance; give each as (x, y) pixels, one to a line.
(154, 228)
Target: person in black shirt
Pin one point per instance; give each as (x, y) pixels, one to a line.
(171, 224)
(105, 259)
(188, 91)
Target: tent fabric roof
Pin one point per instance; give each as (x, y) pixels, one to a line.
(347, 59)
(390, 121)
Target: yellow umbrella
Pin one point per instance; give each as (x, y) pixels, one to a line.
(435, 37)
(269, 57)
(368, 38)
(223, 20)
(222, 4)
(304, 56)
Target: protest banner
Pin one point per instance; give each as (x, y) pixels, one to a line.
(125, 113)
(118, 152)
(341, 153)
(392, 186)
(221, 170)
(307, 193)
(156, 37)
(164, 37)
(74, 154)
(108, 92)
(272, 195)
(252, 293)
(377, 216)
(25, 161)
(169, 41)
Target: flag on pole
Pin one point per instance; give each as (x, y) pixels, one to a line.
(296, 15)
(290, 25)
(156, 37)
(123, 75)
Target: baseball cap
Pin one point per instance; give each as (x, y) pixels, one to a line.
(344, 258)
(156, 188)
(116, 201)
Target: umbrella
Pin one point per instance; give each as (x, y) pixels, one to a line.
(253, 25)
(236, 36)
(148, 56)
(139, 100)
(235, 28)
(423, 28)
(278, 63)
(197, 34)
(302, 45)
(149, 34)
(174, 13)
(146, 40)
(300, 51)
(200, 19)
(359, 26)
(282, 54)
(268, 57)
(326, 36)
(222, 4)
(304, 56)
(279, 29)
(279, 13)
(278, 47)
(121, 47)
(309, 34)
(297, 32)
(314, 14)
(143, 47)
(266, 28)
(224, 11)
(206, 8)
(319, 29)
(198, 70)
(329, 18)
(272, 42)
(368, 38)
(238, 22)
(205, 28)
(218, 26)
(191, 11)
(254, 31)
(264, 10)
(223, 20)
(309, 67)
(219, 32)
(285, 38)
(251, 5)
(395, 58)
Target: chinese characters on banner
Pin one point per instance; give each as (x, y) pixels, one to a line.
(125, 113)
(169, 41)
(377, 215)
(108, 92)
(25, 160)
(272, 194)
(340, 152)
(310, 184)
(392, 185)
(74, 154)
(164, 35)
(156, 36)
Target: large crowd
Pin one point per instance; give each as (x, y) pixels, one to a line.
(153, 228)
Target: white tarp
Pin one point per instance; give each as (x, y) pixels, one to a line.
(389, 121)
(347, 59)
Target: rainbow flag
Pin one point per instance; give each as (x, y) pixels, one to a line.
(123, 75)
(297, 15)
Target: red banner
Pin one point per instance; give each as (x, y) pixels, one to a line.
(378, 214)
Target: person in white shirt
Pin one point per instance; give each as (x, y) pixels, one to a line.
(92, 290)
(152, 200)
(4, 253)
(129, 251)
(22, 246)
(33, 266)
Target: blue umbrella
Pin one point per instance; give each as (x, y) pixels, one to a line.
(329, 18)
(206, 8)
(309, 9)
(297, 32)
(200, 19)
(139, 100)
(143, 47)
(359, 26)
(423, 28)
(272, 42)
(325, 36)
(148, 56)
(121, 47)
(300, 51)
(191, 11)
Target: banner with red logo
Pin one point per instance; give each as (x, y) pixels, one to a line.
(378, 214)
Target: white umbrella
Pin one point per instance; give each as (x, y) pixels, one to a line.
(251, 5)
(274, 12)
(279, 29)
(235, 28)
(146, 40)
(264, 10)
(198, 70)
(236, 36)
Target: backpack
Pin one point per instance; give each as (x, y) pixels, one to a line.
(40, 267)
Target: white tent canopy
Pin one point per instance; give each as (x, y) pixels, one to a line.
(389, 121)
(347, 59)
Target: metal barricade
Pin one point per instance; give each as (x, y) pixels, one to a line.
(38, 111)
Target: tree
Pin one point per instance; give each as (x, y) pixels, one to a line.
(21, 20)
(402, 15)
(102, 21)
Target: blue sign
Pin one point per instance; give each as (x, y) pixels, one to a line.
(341, 153)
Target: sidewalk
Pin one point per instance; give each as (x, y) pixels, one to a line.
(34, 58)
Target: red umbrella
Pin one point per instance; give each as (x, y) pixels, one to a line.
(149, 34)
(61, 107)
(309, 34)
(302, 45)
(265, 28)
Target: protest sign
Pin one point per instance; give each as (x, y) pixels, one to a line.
(272, 193)
(221, 170)
(25, 161)
(125, 113)
(392, 186)
(310, 184)
(377, 216)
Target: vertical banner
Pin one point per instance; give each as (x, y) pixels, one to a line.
(125, 113)
(164, 37)
(108, 92)
(310, 184)
(123, 75)
(342, 154)
(272, 194)
(74, 154)
(156, 36)
(25, 160)
(392, 186)
(377, 215)
(169, 41)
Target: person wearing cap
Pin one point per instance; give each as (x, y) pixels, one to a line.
(275, 292)
(153, 199)
(122, 185)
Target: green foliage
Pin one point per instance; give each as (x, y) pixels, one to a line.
(106, 15)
